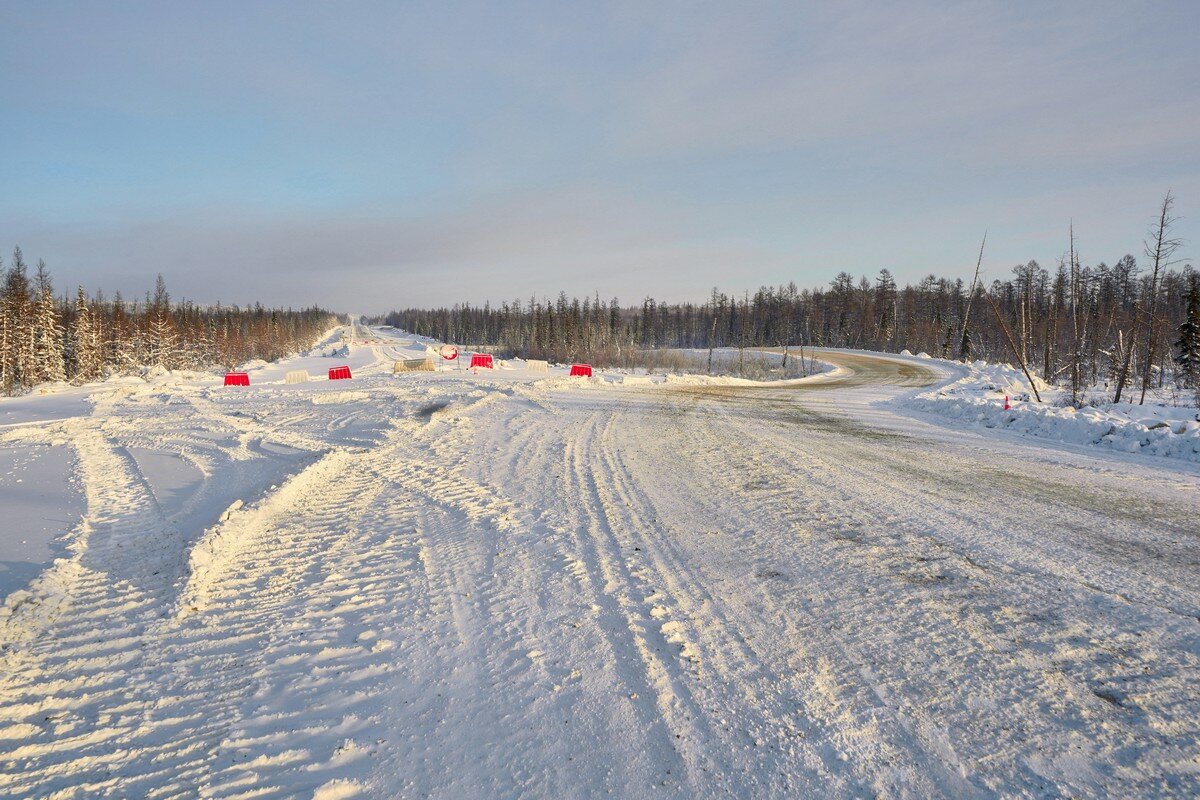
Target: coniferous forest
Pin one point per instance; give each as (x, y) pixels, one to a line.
(46, 338)
(1127, 326)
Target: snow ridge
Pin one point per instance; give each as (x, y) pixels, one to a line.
(977, 398)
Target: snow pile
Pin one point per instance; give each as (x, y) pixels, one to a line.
(331, 398)
(670, 379)
(559, 382)
(709, 380)
(978, 398)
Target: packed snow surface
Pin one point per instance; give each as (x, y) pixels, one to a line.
(454, 585)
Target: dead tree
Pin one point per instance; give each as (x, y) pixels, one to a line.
(1127, 356)
(1076, 355)
(1013, 345)
(712, 336)
(1160, 249)
(963, 344)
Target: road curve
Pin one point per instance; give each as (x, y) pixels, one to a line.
(879, 375)
(865, 369)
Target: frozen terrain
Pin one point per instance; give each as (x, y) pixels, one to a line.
(1157, 428)
(501, 585)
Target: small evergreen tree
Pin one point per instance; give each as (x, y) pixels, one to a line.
(19, 303)
(85, 342)
(885, 306)
(7, 338)
(163, 342)
(47, 333)
(1187, 347)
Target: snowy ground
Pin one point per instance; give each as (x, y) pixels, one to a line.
(1157, 428)
(449, 585)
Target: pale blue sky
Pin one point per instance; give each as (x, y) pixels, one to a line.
(370, 155)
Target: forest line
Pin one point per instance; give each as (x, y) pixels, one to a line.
(46, 338)
(1127, 327)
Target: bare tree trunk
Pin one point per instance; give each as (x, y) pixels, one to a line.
(1024, 328)
(1123, 374)
(712, 335)
(962, 339)
(1013, 345)
(1160, 248)
(1051, 334)
(1074, 287)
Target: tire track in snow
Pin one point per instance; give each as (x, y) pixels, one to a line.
(64, 670)
(868, 732)
(759, 745)
(803, 677)
(544, 537)
(115, 591)
(463, 606)
(893, 556)
(613, 586)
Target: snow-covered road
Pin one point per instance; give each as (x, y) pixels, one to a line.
(461, 586)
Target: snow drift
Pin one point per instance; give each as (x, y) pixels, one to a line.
(977, 398)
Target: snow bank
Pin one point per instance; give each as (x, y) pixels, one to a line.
(331, 398)
(670, 379)
(977, 398)
(709, 380)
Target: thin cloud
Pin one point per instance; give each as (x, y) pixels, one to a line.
(378, 154)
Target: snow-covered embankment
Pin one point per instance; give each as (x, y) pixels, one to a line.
(977, 398)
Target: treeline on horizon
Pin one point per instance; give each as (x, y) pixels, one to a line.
(1127, 326)
(44, 338)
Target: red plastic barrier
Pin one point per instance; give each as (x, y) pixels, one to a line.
(581, 370)
(237, 379)
(339, 373)
(482, 360)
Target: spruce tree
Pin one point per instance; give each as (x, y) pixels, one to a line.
(885, 306)
(7, 337)
(47, 332)
(1187, 347)
(20, 308)
(163, 341)
(85, 342)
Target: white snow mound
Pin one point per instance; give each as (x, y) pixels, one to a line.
(977, 398)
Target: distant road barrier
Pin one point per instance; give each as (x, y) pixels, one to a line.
(413, 365)
(482, 361)
(581, 370)
(339, 373)
(297, 376)
(534, 365)
(237, 379)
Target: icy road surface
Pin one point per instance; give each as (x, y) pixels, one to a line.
(473, 587)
